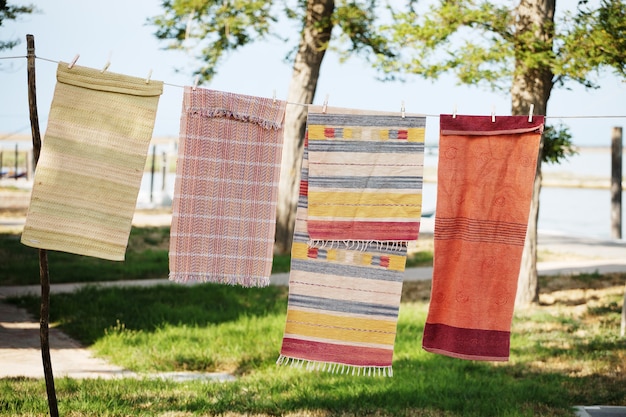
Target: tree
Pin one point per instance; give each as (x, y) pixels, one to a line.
(215, 27)
(498, 44)
(9, 12)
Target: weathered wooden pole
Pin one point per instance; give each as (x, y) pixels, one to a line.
(44, 277)
(616, 183)
(164, 170)
(152, 171)
(17, 157)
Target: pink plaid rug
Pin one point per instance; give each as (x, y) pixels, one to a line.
(225, 194)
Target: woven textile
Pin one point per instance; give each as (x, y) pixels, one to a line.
(91, 163)
(365, 176)
(343, 303)
(225, 192)
(484, 190)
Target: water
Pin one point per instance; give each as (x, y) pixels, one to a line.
(571, 211)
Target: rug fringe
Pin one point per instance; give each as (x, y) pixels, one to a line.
(334, 368)
(186, 278)
(359, 245)
(229, 114)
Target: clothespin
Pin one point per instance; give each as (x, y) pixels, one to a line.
(325, 104)
(454, 112)
(71, 64)
(493, 114)
(195, 82)
(274, 96)
(530, 113)
(107, 64)
(149, 76)
(402, 110)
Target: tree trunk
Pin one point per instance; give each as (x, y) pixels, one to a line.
(532, 85)
(315, 37)
(622, 331)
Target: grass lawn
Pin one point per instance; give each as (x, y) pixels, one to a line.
(146, 257)
(563, 353)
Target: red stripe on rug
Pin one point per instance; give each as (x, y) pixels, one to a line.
(304, 187)
(473, 344)
(329, 352)
(363, 230)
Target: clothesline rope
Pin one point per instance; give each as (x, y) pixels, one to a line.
(307, 105)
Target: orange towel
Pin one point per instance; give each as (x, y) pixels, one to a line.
(484, 189)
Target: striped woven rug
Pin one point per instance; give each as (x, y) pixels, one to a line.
(484, 189)
(91, 162)
(365, 177)
(225, 192)
(343, 303)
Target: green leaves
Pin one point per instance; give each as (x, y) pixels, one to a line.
(10, 12)
(594, 38)
(483, 42)
(357, 20)
(210, 29)
(557, 144)
(470, 39)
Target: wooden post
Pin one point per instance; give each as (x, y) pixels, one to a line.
(152, 171)
(17, 158)
(44, 277)
(616, 183)
(164, 170)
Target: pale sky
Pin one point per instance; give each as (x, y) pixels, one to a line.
(94, 30)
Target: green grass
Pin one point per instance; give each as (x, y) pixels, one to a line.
(146, 257)
(560, 357)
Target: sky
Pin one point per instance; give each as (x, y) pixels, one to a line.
(97, 30)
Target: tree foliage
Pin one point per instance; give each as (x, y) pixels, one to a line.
(477, 41)
(595, 38)
(557, 144)
(211, 29)
(10, 12)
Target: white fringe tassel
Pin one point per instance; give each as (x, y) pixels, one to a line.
(358, 245)
(335, 368)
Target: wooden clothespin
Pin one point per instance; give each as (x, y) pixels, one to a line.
(71, 64)
(195, 82)
(493, 114)
(274, 96)
(325, 106)
(108, 63)
(454, 112)
(402, 110)
(530, 113)
(149, 76)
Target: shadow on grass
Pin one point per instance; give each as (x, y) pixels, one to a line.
(88, 313)
(423, 384)
(146, 257)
